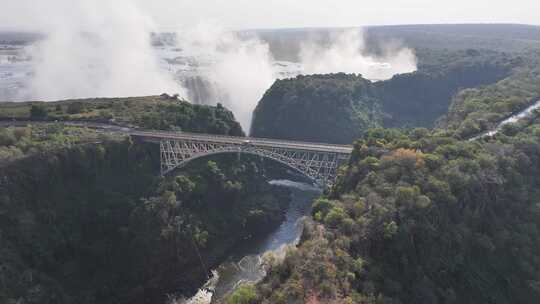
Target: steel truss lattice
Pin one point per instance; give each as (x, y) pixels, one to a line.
(319, 166)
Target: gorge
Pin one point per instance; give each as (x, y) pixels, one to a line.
(418, 214)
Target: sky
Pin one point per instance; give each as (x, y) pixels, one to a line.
(243, 14)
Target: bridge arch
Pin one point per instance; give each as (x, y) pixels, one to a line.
(318, 166)
(190, 160)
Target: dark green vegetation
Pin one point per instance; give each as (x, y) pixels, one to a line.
(420, 217)
(154, 112)
(331, 108)
(479, 109)
(451, 60)
(339, 108)
(420, 98)
(48, 133)
(85, 217)
(17, 142)
(94, 225)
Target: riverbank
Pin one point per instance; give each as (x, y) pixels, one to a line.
(96, 224)
(246, 265)
(516, 117)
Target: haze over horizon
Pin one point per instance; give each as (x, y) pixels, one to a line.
(243, 14)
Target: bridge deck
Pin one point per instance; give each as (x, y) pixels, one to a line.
(262, 142)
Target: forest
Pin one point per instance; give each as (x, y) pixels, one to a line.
(339, 108)
(421, 217)
(86, 218)
(422, 213)
(162, 112)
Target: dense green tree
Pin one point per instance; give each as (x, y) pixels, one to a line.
(449, 222)
(75, 108)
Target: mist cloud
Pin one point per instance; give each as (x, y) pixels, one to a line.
(240, 68)
(347, 53)
(96, 49)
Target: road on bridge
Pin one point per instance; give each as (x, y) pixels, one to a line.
(259, 142)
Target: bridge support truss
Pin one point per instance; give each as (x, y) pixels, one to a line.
(319, 166)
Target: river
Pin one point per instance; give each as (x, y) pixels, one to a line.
(245, 265)
(512, 119)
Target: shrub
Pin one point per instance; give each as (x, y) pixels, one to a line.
(406, 195)
(38, 112)
(7, 138)
(75, 108)
(335, 217)
(244, 294)
(390, 229)
(433, 162)
(405, 158)
(322, 206)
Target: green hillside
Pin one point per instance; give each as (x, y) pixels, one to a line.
(340, 108)
(152, 112)
(420, 217)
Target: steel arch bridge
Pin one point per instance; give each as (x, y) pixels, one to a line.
(319, 162)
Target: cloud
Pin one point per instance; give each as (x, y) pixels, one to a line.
(238, 14)
(347, 53)
(96, 49)
(239, 68)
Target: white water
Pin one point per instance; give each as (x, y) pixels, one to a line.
(249, 266)
(292, 184)
(510, 120)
